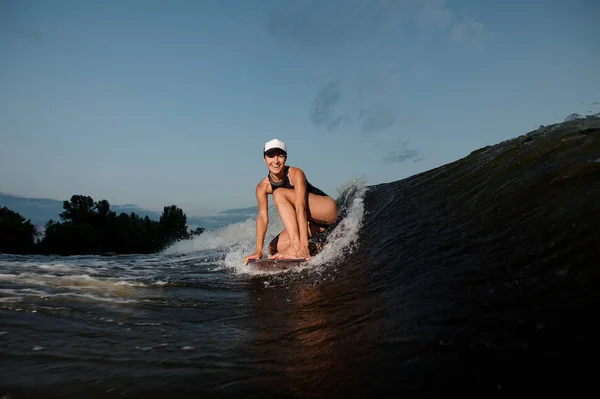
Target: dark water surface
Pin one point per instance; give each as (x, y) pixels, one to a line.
(479, 278)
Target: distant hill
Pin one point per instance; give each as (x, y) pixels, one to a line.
(41, 210)
(223, 218)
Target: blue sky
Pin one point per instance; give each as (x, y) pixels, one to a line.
(169, 102)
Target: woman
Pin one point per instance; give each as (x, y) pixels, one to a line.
(304, 209)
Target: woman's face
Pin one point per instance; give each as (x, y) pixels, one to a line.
(275, 161)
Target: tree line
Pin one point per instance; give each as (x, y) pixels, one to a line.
(90, 227)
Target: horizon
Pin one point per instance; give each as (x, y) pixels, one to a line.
(150, 104)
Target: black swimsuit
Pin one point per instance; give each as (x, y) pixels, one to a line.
(285, 183)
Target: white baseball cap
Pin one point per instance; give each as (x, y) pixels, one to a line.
(275, 144)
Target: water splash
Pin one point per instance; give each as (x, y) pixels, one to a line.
(340, 242)
(214, 239)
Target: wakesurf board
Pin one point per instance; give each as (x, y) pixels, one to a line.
(267, 264)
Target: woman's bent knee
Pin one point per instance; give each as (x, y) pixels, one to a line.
(279, 196)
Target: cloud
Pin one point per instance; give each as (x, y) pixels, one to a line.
(403, 154)
(332, 21)
(353, 29)
(355, 103)
(434, 13)
(378, 117)
(466, 30)
(322, 111)
(469, 32)
(339, 22)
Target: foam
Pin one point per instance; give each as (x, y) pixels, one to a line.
(67, 280)
(212, 240)
(72, 282)
(59, 267)
(21, 295)
(227, 237)
(11, 299)
(90, 297)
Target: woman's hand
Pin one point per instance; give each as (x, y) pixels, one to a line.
(256, 255)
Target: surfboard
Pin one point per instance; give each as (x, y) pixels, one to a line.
(275, 264)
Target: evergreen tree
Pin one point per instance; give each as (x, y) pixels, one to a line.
(17, 235)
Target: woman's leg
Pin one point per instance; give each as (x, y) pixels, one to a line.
(279, 243)
(282, 240)
(284, 199)
(320, 209)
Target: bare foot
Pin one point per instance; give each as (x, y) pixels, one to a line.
(291, 253)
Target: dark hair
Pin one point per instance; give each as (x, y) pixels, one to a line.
(273, 150)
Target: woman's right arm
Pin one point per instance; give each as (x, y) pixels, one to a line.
(262, 218)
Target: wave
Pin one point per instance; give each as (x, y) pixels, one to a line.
(461, 279)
